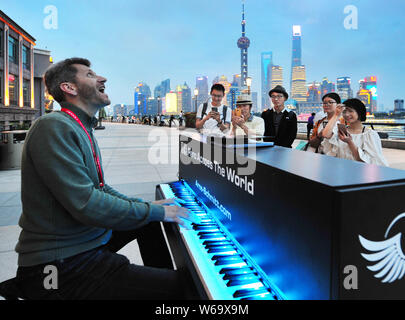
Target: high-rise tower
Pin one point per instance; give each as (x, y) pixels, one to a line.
(266, 66)
(243, 45)
(296, 52)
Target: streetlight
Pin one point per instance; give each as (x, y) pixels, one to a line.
(195, 98)
(158, 98)
(249, 83)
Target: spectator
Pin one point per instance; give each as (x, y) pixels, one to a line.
(280, 123)
(354, 142)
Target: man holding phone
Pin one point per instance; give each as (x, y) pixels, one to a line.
(213, 117)
(243, 121)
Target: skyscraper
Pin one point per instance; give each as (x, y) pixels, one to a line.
(327, 86)
(296, 50)
(243, 44)
(276, 76)
(298, 84)
(343, 88)
(141, 95)
(370, 83)
(399, 105)
(186, 98)
(162, 89)
(201, 84)
(266, 68)
(314, 92)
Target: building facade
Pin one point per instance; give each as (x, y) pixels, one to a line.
(344, 89)
(399, 105)
(298, 85)
(22, 97)
(276, 77)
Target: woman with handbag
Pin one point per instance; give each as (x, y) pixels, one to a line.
(330, 102)
(354, 142)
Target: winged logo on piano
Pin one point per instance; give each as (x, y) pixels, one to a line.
(387, 253)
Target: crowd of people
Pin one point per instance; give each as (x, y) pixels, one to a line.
(338, 131)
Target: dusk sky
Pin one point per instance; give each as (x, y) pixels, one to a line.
(129, 41)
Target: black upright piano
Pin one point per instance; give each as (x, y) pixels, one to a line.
(279, 223)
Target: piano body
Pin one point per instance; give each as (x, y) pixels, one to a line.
(279, 223)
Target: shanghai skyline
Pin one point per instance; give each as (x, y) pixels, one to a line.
(135, 41)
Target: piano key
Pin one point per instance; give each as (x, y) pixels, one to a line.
(229, 250)
(213, 236)
(264, 296)
(203, 233)
(244, 293)
(235, 271)
(214, 242)
(233, 283)
(228, 260)
(242, 276)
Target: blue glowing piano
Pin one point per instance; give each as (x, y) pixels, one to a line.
(277, 223)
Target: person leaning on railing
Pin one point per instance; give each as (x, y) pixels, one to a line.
(354, 141)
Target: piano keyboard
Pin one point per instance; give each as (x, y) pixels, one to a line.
(225, 269)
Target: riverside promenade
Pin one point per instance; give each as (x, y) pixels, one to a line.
(130, 155)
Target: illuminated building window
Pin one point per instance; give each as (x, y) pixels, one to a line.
(13, 89)
(26, 93)
(12, 50)
(26, 57)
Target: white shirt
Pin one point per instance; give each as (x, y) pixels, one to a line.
(368, 144)
(254, 124)
(211, 125)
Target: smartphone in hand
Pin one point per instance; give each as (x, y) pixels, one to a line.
(237, 112)
(214, 109)
(342, 128)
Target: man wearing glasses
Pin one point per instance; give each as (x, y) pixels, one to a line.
(280, 123)
(213, 117)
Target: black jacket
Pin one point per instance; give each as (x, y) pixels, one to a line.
(287, 130)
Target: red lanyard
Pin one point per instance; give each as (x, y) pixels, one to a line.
(95, 156)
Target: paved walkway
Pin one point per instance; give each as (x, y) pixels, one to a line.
(129, 155)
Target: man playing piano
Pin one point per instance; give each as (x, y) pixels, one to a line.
(72, 221)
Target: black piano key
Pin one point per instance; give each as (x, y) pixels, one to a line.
(228, 260)
(204, 226)
(233, 283)
(207, 229)
(221, 249)
(246, 274)
(244, 293)
(233, 271)
(216, 242)
(261, 297)
(204, 233)
(211, 236)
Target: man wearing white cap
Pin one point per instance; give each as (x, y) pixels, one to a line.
(243, 121)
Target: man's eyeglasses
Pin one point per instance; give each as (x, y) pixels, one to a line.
(277, 97)
(216, 96)
(329, 103)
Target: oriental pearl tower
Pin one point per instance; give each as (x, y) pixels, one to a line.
(243, 45)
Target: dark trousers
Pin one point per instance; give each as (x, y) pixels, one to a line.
(101, 273)
(310, 126)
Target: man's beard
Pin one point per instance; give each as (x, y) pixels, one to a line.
(90, 95)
